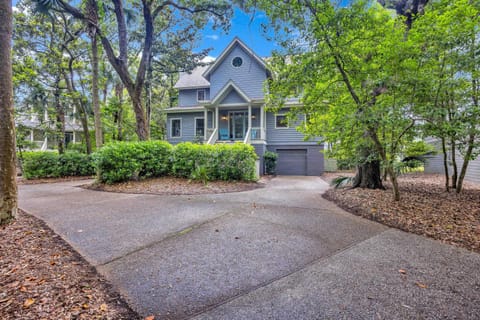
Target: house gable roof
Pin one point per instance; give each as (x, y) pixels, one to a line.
(236, 41)
(229, 86)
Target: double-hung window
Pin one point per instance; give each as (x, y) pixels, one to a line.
(176, 128)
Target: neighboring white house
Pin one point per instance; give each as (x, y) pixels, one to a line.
(39, 135)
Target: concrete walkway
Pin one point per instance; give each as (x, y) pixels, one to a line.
(281, 252)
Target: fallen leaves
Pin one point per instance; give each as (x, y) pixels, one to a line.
(421, 285)
(43, 278)
(425, 208)
(28, 302)
(175, 186)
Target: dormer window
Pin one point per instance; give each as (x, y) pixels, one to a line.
(201, 95)
(237, 62)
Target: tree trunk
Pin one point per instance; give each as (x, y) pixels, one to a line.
(95, 98)
(59, 119)
(393, 178)
(445, 165)
(368, 176)
(119, 113)
(453, 151)
(8, 183)
(466, 160)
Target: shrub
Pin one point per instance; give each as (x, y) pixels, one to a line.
(217, 162)
(44, 164)
(270, 159)
(75, 164)
(123, 161)
(40, 164)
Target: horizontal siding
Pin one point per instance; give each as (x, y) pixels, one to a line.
(260, 151)
(233, 97)
(435, 165)
(283, 135)
(188, 133)
(249, 77)
(188, 97)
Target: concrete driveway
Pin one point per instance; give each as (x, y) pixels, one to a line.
(281, 252)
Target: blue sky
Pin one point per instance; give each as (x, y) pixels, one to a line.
(247, 29)
(243, 26)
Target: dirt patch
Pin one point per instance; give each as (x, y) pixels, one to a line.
(176, 186)
(425, 208)
(44, 278)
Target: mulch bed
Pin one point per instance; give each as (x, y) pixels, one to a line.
(44, 278)
(21, 180)
(425, 208)
(176, 186)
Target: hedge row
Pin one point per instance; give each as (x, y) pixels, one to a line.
(39, 164)
(125, 161)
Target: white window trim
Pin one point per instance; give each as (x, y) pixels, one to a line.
(195, 125)
(171, 128)
(204, 94)
(241, 64)
(284, 115)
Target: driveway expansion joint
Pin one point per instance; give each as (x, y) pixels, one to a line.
(321, 260)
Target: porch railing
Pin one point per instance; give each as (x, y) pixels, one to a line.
(212, 133)
(247, 136)
(257, 133)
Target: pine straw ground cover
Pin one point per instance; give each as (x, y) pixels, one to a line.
(425, 208)
(177, 186)
(44, 278)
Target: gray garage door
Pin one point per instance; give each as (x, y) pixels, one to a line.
(292, 162)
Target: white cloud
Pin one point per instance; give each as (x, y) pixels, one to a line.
(212, 36)
(208, 59)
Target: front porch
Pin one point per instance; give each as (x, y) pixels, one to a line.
(234, 123)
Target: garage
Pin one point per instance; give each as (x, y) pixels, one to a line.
(292, 162)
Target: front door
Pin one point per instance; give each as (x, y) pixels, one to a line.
(237, 124)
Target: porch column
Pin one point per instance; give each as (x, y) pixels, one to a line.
(74, 140)
(262, 121)
(249, 116)
(205, 124)
(31, 135)
(216, 117)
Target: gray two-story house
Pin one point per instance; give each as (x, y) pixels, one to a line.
(224, 103)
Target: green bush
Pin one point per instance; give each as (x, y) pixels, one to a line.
(45, 164)
(123, 161)
(40, 164)
(217, 162)
(75, 164)
(270, 160)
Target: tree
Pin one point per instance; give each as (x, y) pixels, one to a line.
(351, 66)
(193, 13)
(448, 40)
(8, 185)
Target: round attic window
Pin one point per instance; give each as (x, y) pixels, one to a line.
(237, 62)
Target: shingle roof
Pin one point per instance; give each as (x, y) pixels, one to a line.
(193, 79)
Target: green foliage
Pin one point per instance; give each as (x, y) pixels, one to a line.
(37, 164)
(42, 164)
(219, 162)
(341, 182)
(123, 161)
(200, 174)
(418, 148)
(270, 160)
(75, 164)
